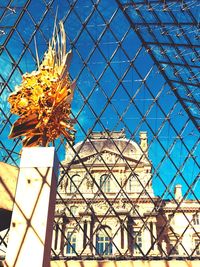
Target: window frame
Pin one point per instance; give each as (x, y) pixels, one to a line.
(71, 243)
(104, 244)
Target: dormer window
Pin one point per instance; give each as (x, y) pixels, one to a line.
(132, 183)
(105, 183)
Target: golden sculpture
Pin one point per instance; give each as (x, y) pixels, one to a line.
(43, 100)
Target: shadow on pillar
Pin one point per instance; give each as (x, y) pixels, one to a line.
(5, 219)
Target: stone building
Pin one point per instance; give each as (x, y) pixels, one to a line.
(107, 207)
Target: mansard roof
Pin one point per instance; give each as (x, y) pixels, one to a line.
(113, 142)
(124, 147)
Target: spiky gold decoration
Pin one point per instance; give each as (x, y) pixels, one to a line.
(43, 100)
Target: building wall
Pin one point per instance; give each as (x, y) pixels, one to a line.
(123, 213)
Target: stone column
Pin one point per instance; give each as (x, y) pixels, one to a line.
(87, 250)
(62, 238)
(117, 239)
(156, 251)
(125, 235)
(55, 238)
(59, 239)
(146, 239)
(128, 236)
(31, 228)
(153, 237)
(80, 235)
(91, 234)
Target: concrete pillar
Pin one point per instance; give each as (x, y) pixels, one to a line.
(31, 228)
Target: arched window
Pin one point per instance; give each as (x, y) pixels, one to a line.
(133, 183)
(105, 183)
(74, 183)
(103, 241)
(71, 243)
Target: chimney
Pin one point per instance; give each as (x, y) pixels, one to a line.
(143, 141)
(178, 192)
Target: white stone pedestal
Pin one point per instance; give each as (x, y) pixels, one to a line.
(31, 228)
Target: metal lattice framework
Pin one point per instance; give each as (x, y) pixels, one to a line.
(136, 64)
(171, 36)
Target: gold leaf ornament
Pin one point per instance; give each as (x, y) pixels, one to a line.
(43, 99)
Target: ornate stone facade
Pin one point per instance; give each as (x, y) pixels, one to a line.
(108, 207)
